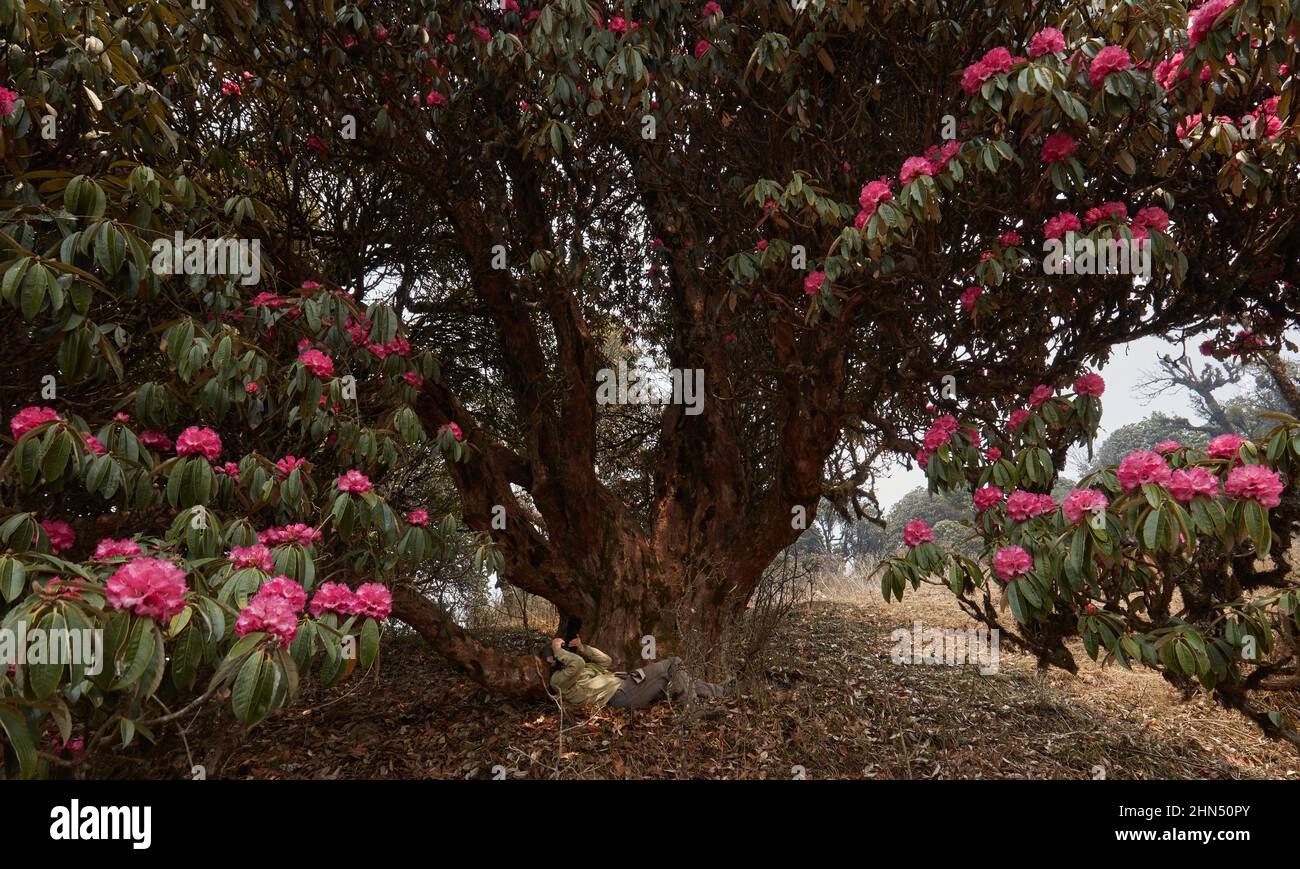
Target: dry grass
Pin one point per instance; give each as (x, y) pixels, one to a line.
(829, 703)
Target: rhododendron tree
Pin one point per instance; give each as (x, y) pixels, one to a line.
(833, 211)
(1152, 562)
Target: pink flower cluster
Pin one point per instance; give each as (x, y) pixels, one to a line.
(257, 556)
(155, 440)
(917, 532)
(1058, 146)
(1109, 60)
(1090, 384)
(60, 534)
(1225, 446)
(1049, 40)
(1201, 21)
(1255, 483)
(317, 364)
(198, 441)
(1140, 467)
(996, 60)
(1186, 484)
(302, 535)
(110, 548)
(31, 417)
(287, 465)
(418, 516)
(149, 587)
(1058, 225)
(274, 610)
(1082, 501)
(1023, 506)
(813, 283)
(371, 599)
(355, 482)
(1010, 562)
(870, 197)
(987, 497)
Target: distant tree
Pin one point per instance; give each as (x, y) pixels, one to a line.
(1145, 434)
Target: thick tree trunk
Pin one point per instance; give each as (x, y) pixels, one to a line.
(506, 674)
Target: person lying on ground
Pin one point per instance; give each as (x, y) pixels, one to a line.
(585, 680)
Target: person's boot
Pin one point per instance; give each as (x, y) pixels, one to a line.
(710, 689)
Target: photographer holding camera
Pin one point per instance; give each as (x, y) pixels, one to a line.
(583, 679)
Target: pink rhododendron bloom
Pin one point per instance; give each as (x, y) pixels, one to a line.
(917, 532)
(1110, 59)
(1152, 218)
(914, 167)
(874, 193)
(813, 283)
(1167, 446)
(110, 548)
(270, 614)
(374, 600)
(31, 417)
(196, 441)
(1058, 226)
(1225, 446)
(1116, 211)
(993, 62)
(287, 465)
(93, 445)
(1058, 146)
(419, 516)
(1023, 506)
(60, 533)
(1082, 501)
(1140, 467)
(251, 387)
(970, 296)
(1201, 21)
(1017, 418)
(1010, 562)
(7, 98)
(454, 429)
(149, 587)
(1185, 127)
(1255, 483)
(316, 362)
(1167, 71)
(414, 379)
(1010, 239)
(987, 498)
(701, 47)
(334, 597)
(1090, 384)
(155, 440)
(284, 588)
(355, 482)
(993, 454)
(1186, 484)
(229, 469)
(230, 89)
(710, 9)
(1049, 40)
(295, 533)
(435, 98)
(257, 557)
(1041, 394)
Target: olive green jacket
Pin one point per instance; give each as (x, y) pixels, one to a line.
(585, 682)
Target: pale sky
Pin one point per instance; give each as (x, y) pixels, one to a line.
(1121, 404)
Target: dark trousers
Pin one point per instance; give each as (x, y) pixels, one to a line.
(663, 679)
